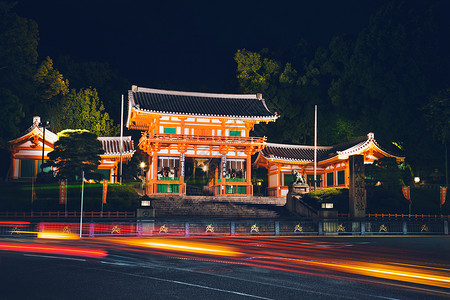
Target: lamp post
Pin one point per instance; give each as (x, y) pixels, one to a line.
(142, 165)
(259, 183)
(82, 196)
(43, 125)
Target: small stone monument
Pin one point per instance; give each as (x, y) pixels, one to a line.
(357, 205)
(299, 185)
(294, 201)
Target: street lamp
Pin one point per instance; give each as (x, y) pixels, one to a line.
(258, 184)
(142, 177)
(43, 125)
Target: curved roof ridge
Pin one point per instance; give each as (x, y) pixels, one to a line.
(128, 137)
(358, 144)
(193, 94)
(243, 106)
(298, 146)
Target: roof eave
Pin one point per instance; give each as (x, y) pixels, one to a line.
(258, 118)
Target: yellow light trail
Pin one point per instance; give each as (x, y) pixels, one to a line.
(51, 235)
(380, 271)
(183, 246)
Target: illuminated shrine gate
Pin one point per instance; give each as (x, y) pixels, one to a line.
(197, 142)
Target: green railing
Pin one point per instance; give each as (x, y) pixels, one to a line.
(169, 178)
(167, 188)
(235, 180)
(232, 180)
(236, 189)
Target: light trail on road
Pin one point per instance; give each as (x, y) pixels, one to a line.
(314, 258)
(326, 258)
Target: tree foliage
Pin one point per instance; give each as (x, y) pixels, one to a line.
(28, 90)
(18, 57)
(18, 46)
(74, 152)
(82, 109)
(384, 180)
(391, 80)
(293, 94)
(437, 113)
(107, 81)
(10, 115)
(49, 82)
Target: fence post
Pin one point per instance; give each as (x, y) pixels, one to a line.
(186, 229)
(139, 229)
(277, 228)
(232, 228)
(320, 228)
(446, 227)
(405, 228)
(91, 230)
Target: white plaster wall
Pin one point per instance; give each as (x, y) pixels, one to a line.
(273, 180)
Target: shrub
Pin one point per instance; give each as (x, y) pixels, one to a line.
(337, 195)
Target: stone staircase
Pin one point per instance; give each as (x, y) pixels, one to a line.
(219, 207)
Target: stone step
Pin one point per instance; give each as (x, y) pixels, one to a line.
(201, 207)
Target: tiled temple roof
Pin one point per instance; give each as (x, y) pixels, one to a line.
(49, 135)
(293, 152)
(201, 104)
(301, 153)
(111, 145)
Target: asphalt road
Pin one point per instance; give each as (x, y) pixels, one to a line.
(227, 268)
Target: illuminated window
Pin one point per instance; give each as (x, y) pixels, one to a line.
(168, 168)
(327, 205)
(236, 168)
(145, 202)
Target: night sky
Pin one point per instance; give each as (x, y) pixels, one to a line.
(187, 44)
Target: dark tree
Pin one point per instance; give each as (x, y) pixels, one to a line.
(76, 151)
(18, 57)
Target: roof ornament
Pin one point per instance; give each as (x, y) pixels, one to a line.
(134, 88)
(370, 136)
(36, 120)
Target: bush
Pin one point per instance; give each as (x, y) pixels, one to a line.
(45, 177)
(382, 200)
(17, 197)
(337, 195)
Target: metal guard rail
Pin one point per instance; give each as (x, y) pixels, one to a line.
(204, 227)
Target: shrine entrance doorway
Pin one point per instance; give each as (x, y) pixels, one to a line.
(201, 175)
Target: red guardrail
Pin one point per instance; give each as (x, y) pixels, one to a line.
(70, 214)
(401, 216)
